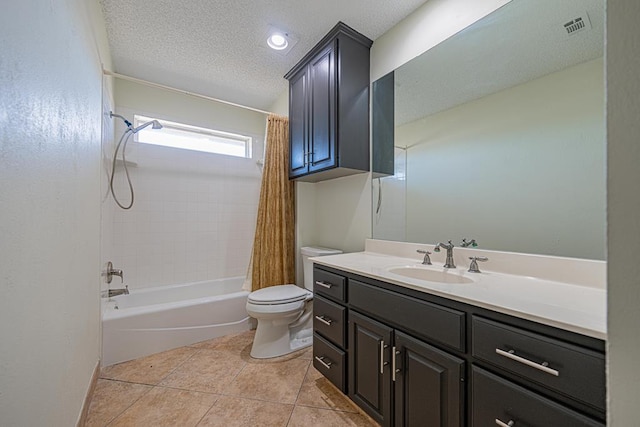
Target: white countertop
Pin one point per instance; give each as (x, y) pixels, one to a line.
(576, 308)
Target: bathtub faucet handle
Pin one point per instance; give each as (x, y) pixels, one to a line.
(110, 272)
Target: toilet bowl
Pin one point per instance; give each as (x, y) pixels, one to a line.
(284, 312)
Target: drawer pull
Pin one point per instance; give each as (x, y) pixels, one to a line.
(511, 423)
(539, 366)
(323, 284)
(325, 364)
(324, 320)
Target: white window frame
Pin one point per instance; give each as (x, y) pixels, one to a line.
(139, 119)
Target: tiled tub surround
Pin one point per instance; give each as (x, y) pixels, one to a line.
(217, 383)
(193, 218)
(566, 293)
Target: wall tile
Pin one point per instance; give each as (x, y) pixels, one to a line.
(193, 218)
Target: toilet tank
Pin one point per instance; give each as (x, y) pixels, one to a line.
(309, 252)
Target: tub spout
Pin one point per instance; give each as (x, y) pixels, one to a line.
(115, 292)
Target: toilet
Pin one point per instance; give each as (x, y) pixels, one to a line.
(284, 312)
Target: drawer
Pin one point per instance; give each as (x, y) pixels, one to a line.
(329, 284)
(420, 318)
(330, 320)
(571, 370)
(330, 361)
(496, 400)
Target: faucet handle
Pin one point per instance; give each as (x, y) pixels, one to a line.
(473, 267)
(427, 259)
(466, 244)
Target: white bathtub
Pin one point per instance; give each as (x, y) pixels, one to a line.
(155, 319)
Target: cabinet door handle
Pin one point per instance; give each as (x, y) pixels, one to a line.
(394, 370)
(324, 320)
(544, 367)
(382, 362)
(511, 423)
(323, 363)
(324, 285)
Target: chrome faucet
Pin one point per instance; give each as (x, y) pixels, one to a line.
(449, 247)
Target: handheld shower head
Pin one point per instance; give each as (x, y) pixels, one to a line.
(154, 123)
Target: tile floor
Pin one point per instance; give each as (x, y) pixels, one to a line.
(217, 383)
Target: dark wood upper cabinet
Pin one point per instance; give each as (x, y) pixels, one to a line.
(329, 108)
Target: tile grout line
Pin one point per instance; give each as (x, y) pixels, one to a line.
(208, 410)
(295, 403)
(178, 365)
(132, 403)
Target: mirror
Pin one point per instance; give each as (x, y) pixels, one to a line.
(500, 135)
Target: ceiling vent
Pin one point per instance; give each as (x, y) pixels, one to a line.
(577, 24)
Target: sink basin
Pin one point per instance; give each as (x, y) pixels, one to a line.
(430, 275)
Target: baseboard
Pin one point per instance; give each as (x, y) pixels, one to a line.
(87, 399)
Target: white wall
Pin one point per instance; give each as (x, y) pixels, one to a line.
(623, 202)
(281, 105)
(343, 212)
(194, 214)
(50, 117)
(525, 172)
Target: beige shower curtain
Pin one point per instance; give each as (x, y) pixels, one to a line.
(273, 258)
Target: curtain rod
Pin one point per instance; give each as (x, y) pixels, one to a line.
(184, 92)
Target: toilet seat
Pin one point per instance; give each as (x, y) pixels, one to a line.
(277, 295)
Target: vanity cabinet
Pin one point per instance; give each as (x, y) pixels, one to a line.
(329, 108)
(409, 358)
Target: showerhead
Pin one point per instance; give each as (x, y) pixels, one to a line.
(154, 123)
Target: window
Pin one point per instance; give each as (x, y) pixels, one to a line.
(178, 135)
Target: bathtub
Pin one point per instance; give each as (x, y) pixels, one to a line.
(151, 320)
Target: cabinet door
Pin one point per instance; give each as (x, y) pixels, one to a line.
(369, 370)
(322, 113)
(429, 384)
(298, 113)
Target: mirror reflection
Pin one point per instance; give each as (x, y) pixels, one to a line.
(500, 135)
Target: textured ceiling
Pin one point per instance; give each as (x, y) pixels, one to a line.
(218, 48)
(523, 40)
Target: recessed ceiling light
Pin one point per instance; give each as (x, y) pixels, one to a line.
(278, 41)
(281, 41)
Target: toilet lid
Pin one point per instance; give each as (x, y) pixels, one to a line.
(281, 294)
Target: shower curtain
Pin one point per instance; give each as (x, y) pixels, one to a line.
(273, 257)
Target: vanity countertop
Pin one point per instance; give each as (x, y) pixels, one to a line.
(573, 307)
